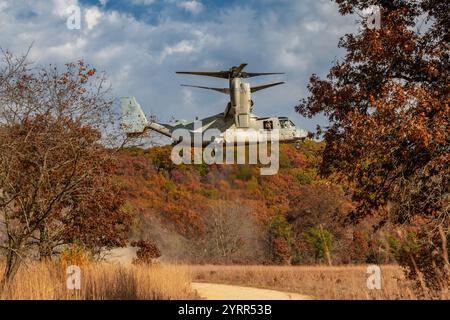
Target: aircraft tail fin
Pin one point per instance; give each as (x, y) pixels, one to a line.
(133, 118)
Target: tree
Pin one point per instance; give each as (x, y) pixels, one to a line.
(147, 251)
(279, 240)
(56, 182)
(388, 107)
(231, 233)
(320, 242)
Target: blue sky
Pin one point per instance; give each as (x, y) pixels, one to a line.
(141, 43)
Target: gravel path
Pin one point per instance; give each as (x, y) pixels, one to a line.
(212, 291)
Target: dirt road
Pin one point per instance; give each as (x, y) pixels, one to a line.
(212, 291)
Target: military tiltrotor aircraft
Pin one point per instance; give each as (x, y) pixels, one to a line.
(237, 118)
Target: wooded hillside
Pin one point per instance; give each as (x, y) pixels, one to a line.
(232, 214)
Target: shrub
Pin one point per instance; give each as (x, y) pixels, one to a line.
(321, 242)
(425, 259)
(161, 159)
(279, 240)
(244, 173)
(359, 247)
(73, 255)
(285, 162)
(147, 252)
(305, 176)
(212, 194)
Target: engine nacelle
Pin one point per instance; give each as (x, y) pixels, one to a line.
(242, 109)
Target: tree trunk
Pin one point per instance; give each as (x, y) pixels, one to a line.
(45, 247)
(325, 246)
(12, 266)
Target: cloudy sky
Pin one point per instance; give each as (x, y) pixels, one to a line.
(141, 43)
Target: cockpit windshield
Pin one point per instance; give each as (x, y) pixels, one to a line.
(286, 123)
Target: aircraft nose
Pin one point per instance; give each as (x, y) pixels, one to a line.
(300, 133)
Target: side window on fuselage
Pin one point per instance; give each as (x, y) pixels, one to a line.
(268, 125)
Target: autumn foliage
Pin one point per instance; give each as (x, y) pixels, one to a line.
(232, 214)
(388, 106)
(56, 177)
(147, 251)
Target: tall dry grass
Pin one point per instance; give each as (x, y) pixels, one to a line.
(100, 281)
(320, 282)
(110, 281)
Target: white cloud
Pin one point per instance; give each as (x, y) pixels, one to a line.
(92, 17)
(315, 26)
(61, 7)
(141, 59)
(142, 2)
(193, 6)
(69, 50)
(182, 47)
(3, 5)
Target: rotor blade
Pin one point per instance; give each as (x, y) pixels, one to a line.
(219, 74)
(222, 90)
(241, 67)
(251, 75)
(265, 86)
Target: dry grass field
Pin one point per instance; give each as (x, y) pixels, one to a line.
(109, 281)
(101, 281)
(320, 282)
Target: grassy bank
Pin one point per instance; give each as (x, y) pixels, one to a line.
(100, 281)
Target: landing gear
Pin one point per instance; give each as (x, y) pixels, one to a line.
(298, 143)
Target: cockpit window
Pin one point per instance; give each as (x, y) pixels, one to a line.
(284, 124)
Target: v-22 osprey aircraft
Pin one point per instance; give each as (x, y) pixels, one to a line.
(236, 119)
